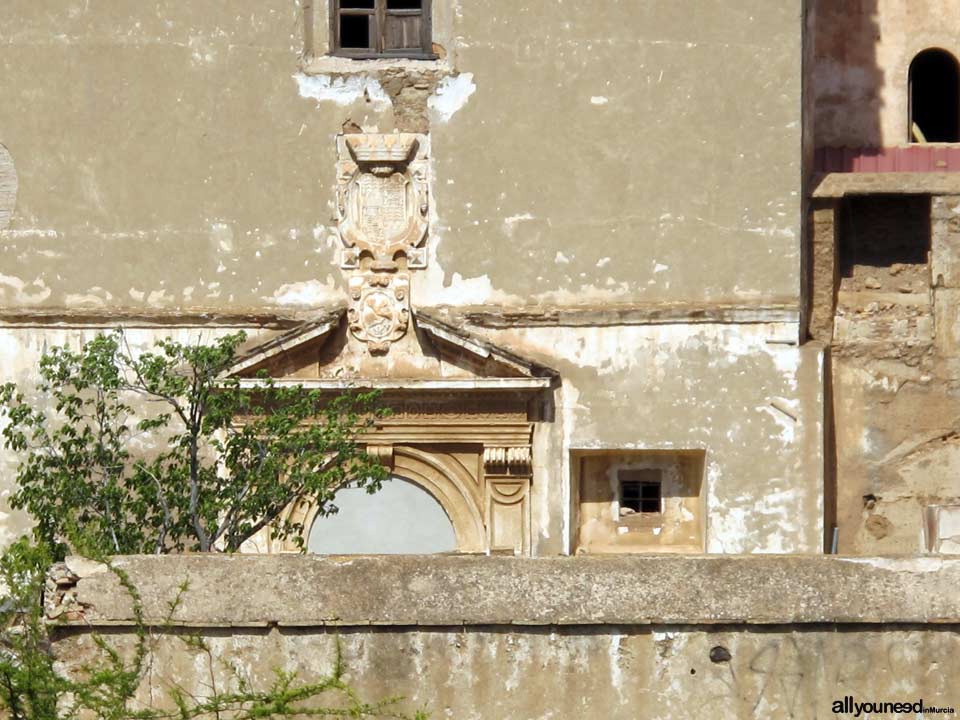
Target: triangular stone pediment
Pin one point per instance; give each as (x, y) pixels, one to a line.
(433, 354)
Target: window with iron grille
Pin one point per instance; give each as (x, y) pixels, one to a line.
(641, 491)
(381, 28)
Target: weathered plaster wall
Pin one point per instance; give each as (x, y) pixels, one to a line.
(602, 145)
(181, 159)
(563, 639)
(863, 53)
(166, 158)
(170, 159)
(626, 672)
(745, 394)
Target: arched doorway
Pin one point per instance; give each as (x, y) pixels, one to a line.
(401, 519)
(934, 97)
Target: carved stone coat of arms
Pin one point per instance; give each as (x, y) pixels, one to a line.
(383, 199)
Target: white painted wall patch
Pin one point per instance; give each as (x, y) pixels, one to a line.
(342, 90)
(451, 96)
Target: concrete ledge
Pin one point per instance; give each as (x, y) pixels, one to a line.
(838, 185)
(251, 591)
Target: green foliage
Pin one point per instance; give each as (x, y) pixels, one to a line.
(106, 686)
(154, 453)
(29, 687)
(161, 452)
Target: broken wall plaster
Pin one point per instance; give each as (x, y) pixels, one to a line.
(452, 95)
(342, 90)
(894, 370)
(415, 94)
(279, 111)
(611, 672)
(23, 293)
(311, 293)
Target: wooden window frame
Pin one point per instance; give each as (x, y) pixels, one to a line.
(378, 20)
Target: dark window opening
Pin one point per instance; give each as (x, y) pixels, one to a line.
(885, 243)
(382, 28)
(934, 97)
(355, 31)
(641, 495)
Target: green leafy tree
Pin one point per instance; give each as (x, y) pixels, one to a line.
(161, 452)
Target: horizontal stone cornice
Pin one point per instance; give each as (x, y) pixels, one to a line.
(444, 591)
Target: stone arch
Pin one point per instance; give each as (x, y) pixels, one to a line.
(452, 486)
(439, 474)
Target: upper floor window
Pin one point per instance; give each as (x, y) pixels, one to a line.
(934, 98)
(381, 28)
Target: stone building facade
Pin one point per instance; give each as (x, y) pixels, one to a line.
(602, 271)
(660, 280)
(568, 244)
(884, 226)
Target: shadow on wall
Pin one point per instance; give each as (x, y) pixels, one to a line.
(847, 79)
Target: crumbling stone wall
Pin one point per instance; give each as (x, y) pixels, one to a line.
(890, 321)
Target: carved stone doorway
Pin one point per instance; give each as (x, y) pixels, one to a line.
(464, 413)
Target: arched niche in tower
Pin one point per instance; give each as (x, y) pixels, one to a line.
(934, 97)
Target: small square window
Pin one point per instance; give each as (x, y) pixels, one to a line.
(639, 500)
(642, 491)
(381, 28)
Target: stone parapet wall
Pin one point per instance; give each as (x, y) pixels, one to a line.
(305, 591)
(561, 638)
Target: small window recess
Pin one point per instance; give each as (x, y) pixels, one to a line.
(376, 29)
(934, 98)
(641, 492)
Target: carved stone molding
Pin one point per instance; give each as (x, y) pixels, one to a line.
(383, 197)
(383, 453)
(379, 312)
(490, 512)
(514, 459)
(508, 515)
